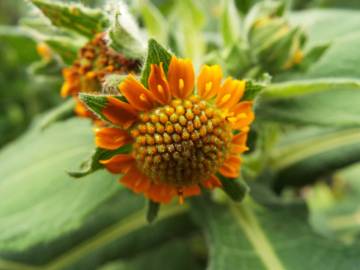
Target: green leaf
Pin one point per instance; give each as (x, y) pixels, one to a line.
(152, 211)
(253, 88)
(74, 17)
(60, 112)
(326, 102)
(241, 236)
(156, 54)
(317, 22)
(313, 55)
(50, 221)
(304, 155)
(124, 34)
(341, 60)
(156, 25)
(96, 103)
(179, 251)
(41, 188)
(64, 47)
(188, 32)
(19, 44)
(334, 208)
(236, 189)
(92, 164)
(230, 23)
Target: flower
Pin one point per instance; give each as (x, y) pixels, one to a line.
(94, 62)
(180, 137)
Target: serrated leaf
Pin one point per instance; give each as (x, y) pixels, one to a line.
(241, 236)
(156, 54)
(74, 17)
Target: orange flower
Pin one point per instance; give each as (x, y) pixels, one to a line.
(180, 137)
(86, 74)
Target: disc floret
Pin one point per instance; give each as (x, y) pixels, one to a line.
(182, 143)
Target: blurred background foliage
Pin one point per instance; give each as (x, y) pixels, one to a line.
(308, 149)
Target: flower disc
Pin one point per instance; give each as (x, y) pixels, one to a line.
(182, 143)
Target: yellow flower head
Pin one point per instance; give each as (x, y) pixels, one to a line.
(180, 137)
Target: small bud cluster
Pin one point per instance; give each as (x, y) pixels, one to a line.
(95, 60)
(182, 143)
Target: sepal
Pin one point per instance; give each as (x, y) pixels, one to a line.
(253, 88)
(152, 211)
(92, 164)
(156, 54)
(96, 103)
(236, 189)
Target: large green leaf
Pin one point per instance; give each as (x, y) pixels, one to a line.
(244, 236)
(53, 221)
(327, 102)
(34, 186)
(179, 251)
(301, 156)
(341, 58)
(322, 25)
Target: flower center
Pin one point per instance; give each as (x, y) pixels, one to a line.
(183, 143)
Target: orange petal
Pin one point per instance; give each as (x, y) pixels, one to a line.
(230, 93)
(160, 193)
(82, 111)
(231, 167)
(119, 112)
(111, 138)
(209, 81)
(238, 143)
(191, 190)
(158, 84)
(212, 182)
(119, 163)
(181, 77)
(135, 180)
(137, 95)
(242, 115)
(65, 90)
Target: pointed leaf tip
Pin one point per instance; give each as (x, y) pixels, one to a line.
(236, 189)
(156, 54)
(152, 211)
